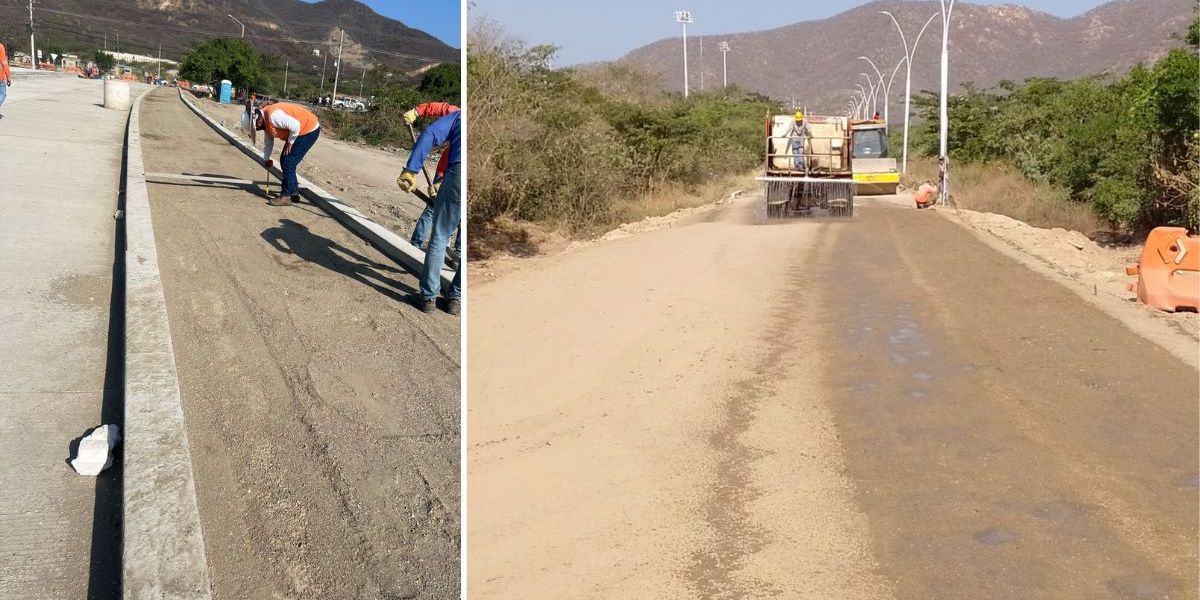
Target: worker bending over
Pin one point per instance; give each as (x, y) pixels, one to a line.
(430, 109)
(299, 129)
(446, 210)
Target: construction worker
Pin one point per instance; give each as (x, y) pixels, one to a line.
(299, 129)
(446, 207)
(430, 109)
(5, 76)
(798, 138)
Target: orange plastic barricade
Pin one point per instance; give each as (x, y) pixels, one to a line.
(1169, 270)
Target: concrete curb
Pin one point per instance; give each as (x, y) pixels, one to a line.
(383, 239)
(163, 546)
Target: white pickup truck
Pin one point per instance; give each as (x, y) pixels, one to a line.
(350, 104)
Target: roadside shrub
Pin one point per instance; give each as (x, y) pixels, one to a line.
(572, 148)
(1126, 147)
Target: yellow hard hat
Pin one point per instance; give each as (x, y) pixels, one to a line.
(799, 116)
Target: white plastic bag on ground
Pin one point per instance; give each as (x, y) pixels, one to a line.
(95, 450)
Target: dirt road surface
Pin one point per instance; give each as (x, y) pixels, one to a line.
(883, 408)
(322, 409)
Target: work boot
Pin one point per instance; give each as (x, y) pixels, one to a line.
(425, 305)
(451, 305)
(279, 201)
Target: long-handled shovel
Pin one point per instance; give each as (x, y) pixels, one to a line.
(424, 169)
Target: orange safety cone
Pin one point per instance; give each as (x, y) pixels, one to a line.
(1168, 270)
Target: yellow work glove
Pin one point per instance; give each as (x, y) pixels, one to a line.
(407, 181)
(410, 117)
(433, 189)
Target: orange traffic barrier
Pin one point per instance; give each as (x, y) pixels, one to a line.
(1169, 270)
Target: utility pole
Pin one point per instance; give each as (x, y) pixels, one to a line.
(323, 63)
(724, 48)
(684, 17)
(32, 47)
(702, 63)
(160, 61)
(337, 67)
(106, 42)
(363, 81)
(286, 64)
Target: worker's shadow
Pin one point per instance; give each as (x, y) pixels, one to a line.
(291, 237)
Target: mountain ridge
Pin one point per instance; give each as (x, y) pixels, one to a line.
(290, 29)
(817, 60)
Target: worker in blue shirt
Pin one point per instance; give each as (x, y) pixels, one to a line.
(446, 211)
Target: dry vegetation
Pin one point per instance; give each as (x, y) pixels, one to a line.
(1002, 189)
(584, 151)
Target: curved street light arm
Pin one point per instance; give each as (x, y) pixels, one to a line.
(921, 33)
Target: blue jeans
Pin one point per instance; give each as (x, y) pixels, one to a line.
(421, 231)
(292, 159)
(3, 92)
(446, 215)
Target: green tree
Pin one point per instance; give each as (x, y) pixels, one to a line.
(442, 83)
(225, 58)
(104, 61)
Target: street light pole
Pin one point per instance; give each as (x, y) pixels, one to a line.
(32, 47)
(887, 91)
(943, 158)
(880, 75)
(724, 48)
(684, 17)
(286, 64)
(887, 88)
(239, 23)
(872, 96)
(909, 52)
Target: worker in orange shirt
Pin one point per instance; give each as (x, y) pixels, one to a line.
(298, 128)
(5, 75)
(425, 221)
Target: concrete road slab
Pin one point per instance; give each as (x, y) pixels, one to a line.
(61, 168)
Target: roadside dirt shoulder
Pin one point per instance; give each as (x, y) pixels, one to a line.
(1096, 273)
(540, 244)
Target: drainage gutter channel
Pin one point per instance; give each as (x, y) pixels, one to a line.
(163, 546)
(393, 246)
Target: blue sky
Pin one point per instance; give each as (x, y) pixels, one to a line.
(606, 29)
(439, 18)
